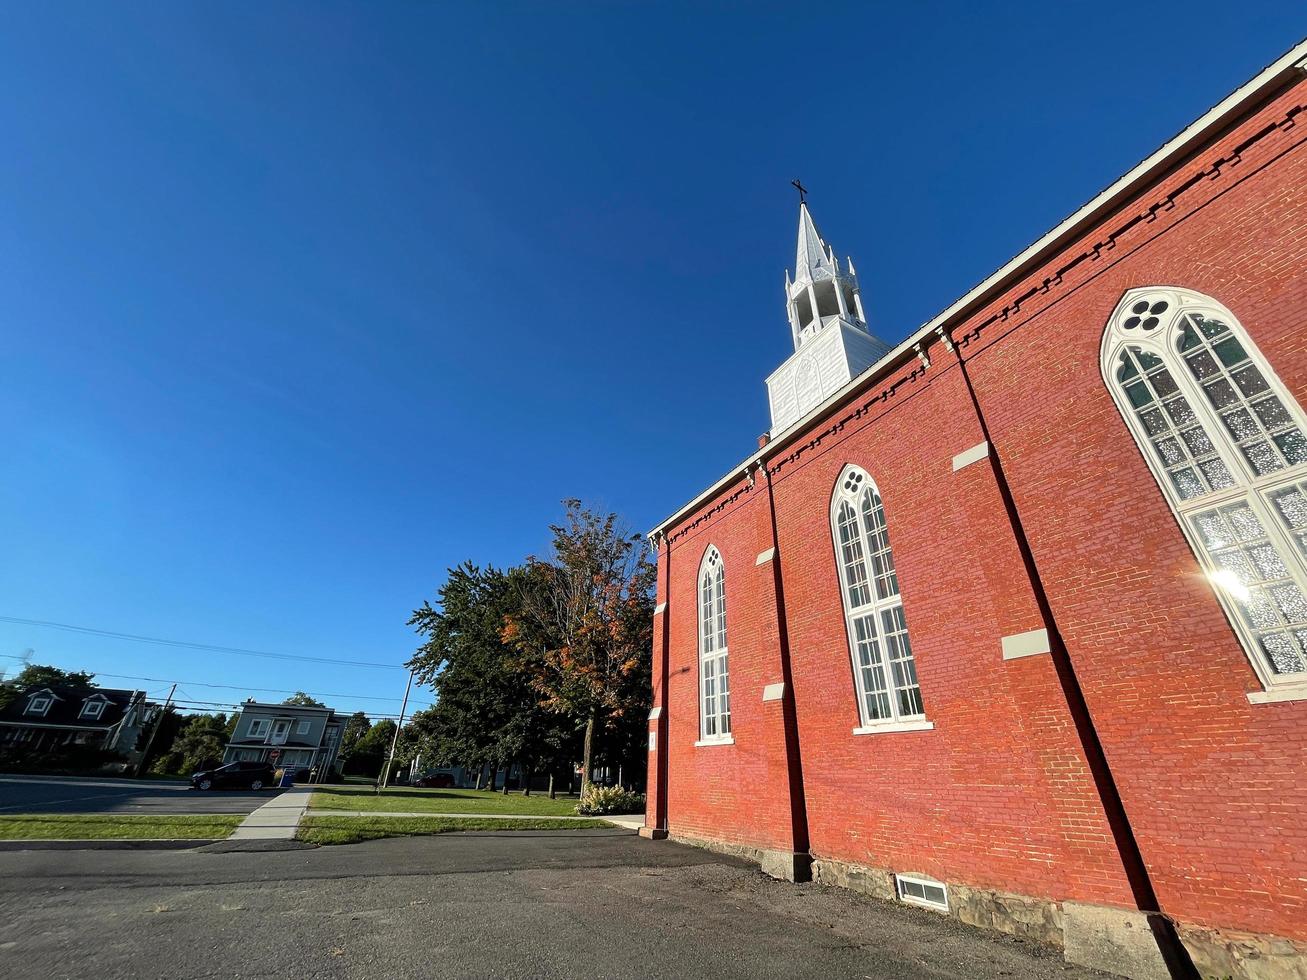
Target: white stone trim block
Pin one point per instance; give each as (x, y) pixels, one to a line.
(766, 556)
(655, 713)
(773, 692)
(661, 607)
(1027, 644)
(895, 726)
(973, 455)
(1289, 692)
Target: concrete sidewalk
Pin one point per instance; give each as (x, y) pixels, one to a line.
(632, 821)
(278, 819)
(323, 812)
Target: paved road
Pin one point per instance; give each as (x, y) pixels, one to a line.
(526, 904)
(19, 794)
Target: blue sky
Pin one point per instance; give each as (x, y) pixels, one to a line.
(304, 303)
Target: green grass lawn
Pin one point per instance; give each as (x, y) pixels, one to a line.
(103, 826)
(401, 799)
(351, 830)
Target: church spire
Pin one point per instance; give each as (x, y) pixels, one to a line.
(832, 344)
(819, 293)
(812, 259)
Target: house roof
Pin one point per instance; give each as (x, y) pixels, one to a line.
(283, 709)
(66, 706)
(1291, 64)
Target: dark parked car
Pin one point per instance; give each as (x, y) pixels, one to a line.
(234, 775)
(436, 780)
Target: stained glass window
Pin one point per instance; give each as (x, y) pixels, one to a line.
(1226, 442)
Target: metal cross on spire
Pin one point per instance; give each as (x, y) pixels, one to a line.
(803, 191)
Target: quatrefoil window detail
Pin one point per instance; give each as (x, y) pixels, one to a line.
(1145, 315)
(852, 482)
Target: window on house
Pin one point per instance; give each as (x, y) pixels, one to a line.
(714, 681)
(258, 727)
(885, 674)
(92, 709)
(1226, 444)
(39, 705)
(302, 726)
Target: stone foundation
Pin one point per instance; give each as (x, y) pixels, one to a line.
(1244, 955)
(1120, 941)
(1017, 915)
(785, 865)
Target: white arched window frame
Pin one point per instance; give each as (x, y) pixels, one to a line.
(1226, 443)
(884, 669)
(714, 677)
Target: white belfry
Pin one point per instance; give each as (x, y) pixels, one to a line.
(832, 344)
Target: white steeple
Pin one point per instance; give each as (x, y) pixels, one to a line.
(832, 344)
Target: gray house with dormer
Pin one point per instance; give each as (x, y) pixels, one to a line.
(46, 719)
(292, 735)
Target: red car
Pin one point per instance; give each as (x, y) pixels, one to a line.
(436, 780)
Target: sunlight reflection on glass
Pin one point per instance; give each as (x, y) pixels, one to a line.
(1229, 581)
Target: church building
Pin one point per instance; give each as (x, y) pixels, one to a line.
(1009, 621)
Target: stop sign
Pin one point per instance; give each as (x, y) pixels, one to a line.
(274, 755)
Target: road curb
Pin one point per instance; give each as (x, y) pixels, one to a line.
(114, 844)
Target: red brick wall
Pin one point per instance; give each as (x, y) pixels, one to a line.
(999, 793)
(984, 797)
(1215, 787)
(737, 792)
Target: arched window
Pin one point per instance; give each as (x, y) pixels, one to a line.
(884, 672)
(1225, 441)
(714, 681)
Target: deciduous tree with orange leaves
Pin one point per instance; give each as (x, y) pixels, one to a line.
(584, 623)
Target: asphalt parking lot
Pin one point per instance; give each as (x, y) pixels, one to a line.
(30, 794)
(525, 904)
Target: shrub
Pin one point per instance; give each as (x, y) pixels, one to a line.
(600, 800)
(62, 760)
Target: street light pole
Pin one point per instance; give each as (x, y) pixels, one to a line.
(390, 760)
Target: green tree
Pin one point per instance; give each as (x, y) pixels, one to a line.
(199, 744)
(299, 697)
(43, 675)
(487, 710)
(370, 752)
(583, 623)
(356, 727)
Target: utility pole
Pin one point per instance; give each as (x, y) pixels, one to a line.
(140, 766)
(390, 759)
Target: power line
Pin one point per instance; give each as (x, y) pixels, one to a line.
(244, 687)
(193, 705)
(184, 644)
